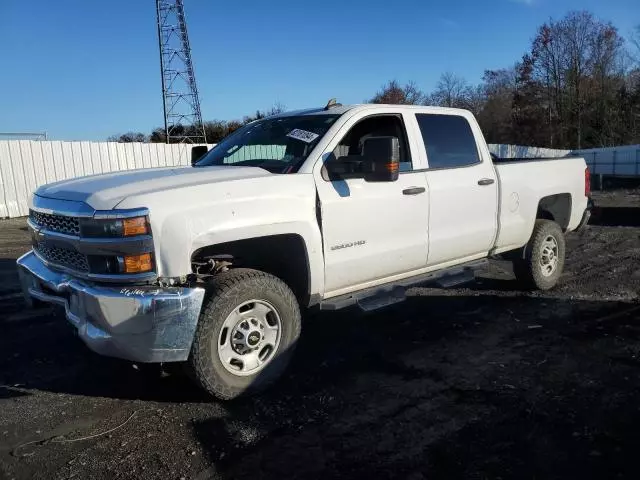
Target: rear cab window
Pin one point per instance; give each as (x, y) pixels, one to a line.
(448, 141)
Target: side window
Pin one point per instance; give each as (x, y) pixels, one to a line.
(448, 140)
(350, 147)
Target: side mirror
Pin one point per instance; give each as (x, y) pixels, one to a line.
(381, 159)
(197, 153)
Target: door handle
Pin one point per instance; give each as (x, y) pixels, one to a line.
(486, 181)
(413, 191)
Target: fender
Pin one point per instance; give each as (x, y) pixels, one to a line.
(184, 220)
(309, 233)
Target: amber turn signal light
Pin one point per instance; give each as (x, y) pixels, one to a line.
(134, 226)
(392, 167)
(138, 263)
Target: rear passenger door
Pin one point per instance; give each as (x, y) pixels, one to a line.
(463, 189)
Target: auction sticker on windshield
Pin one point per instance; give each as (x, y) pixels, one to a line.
(303, 135)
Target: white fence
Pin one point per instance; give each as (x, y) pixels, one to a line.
(519, 151)
(622, 161)
(27, 164)
(614, 161)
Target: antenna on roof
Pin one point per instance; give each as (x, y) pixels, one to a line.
(332, 104)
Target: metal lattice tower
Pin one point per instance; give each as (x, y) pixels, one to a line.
(182, 117)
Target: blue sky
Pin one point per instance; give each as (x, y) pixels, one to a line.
(85, 69)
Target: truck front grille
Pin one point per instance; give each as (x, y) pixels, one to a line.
(56, 223)
(63, 257)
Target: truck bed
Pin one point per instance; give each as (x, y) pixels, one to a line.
(524, 182)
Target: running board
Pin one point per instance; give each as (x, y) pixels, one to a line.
(389, 293)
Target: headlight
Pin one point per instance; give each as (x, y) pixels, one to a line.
(126, 227)
(135, 226)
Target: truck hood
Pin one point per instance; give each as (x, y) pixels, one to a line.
(106, 191)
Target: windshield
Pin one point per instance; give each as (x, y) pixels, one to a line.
(279, 144)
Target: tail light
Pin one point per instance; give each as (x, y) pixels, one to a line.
(587, 182)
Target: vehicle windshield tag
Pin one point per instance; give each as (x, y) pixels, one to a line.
(303, 135)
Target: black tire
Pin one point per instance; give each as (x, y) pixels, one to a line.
(527, 267)
(229, 290)
(33, 303)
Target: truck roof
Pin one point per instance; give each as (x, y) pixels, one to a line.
(340, 109)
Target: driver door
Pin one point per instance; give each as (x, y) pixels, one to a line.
(372, 231)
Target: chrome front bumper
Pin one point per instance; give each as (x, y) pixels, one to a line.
(137, 323)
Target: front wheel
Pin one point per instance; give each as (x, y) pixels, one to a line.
(246, 334)
(542, 263)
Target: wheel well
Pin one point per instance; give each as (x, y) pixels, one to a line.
(284, 256)
(556, 208)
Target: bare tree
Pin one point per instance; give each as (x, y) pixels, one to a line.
(394, 93)
(274, 110)
(451, 91)
(128, 137)
(574, 61)
(495, 113)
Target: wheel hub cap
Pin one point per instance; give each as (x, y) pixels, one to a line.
(253, 339)
(249, 337)
(549, 256)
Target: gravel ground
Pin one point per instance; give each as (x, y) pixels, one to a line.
(481, 382)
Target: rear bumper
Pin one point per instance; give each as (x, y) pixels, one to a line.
(586, 215)
(141, 324)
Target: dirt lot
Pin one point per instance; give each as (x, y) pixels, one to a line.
(481, 382)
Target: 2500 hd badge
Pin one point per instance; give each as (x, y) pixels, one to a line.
(347, 245)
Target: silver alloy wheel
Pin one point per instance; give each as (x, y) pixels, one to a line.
(549, 256)
(249, 337)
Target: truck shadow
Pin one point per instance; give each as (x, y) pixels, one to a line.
(8, 277)
(489, 284)
(448, 387)
(41, 351)
(333, 345)
(616, 217)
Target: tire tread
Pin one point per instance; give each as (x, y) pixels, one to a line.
(525, 268)
(220, 294)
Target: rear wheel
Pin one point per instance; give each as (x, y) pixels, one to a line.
(246, 334)
(542, 263)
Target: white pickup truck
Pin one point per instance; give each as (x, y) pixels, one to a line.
(211, 264)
